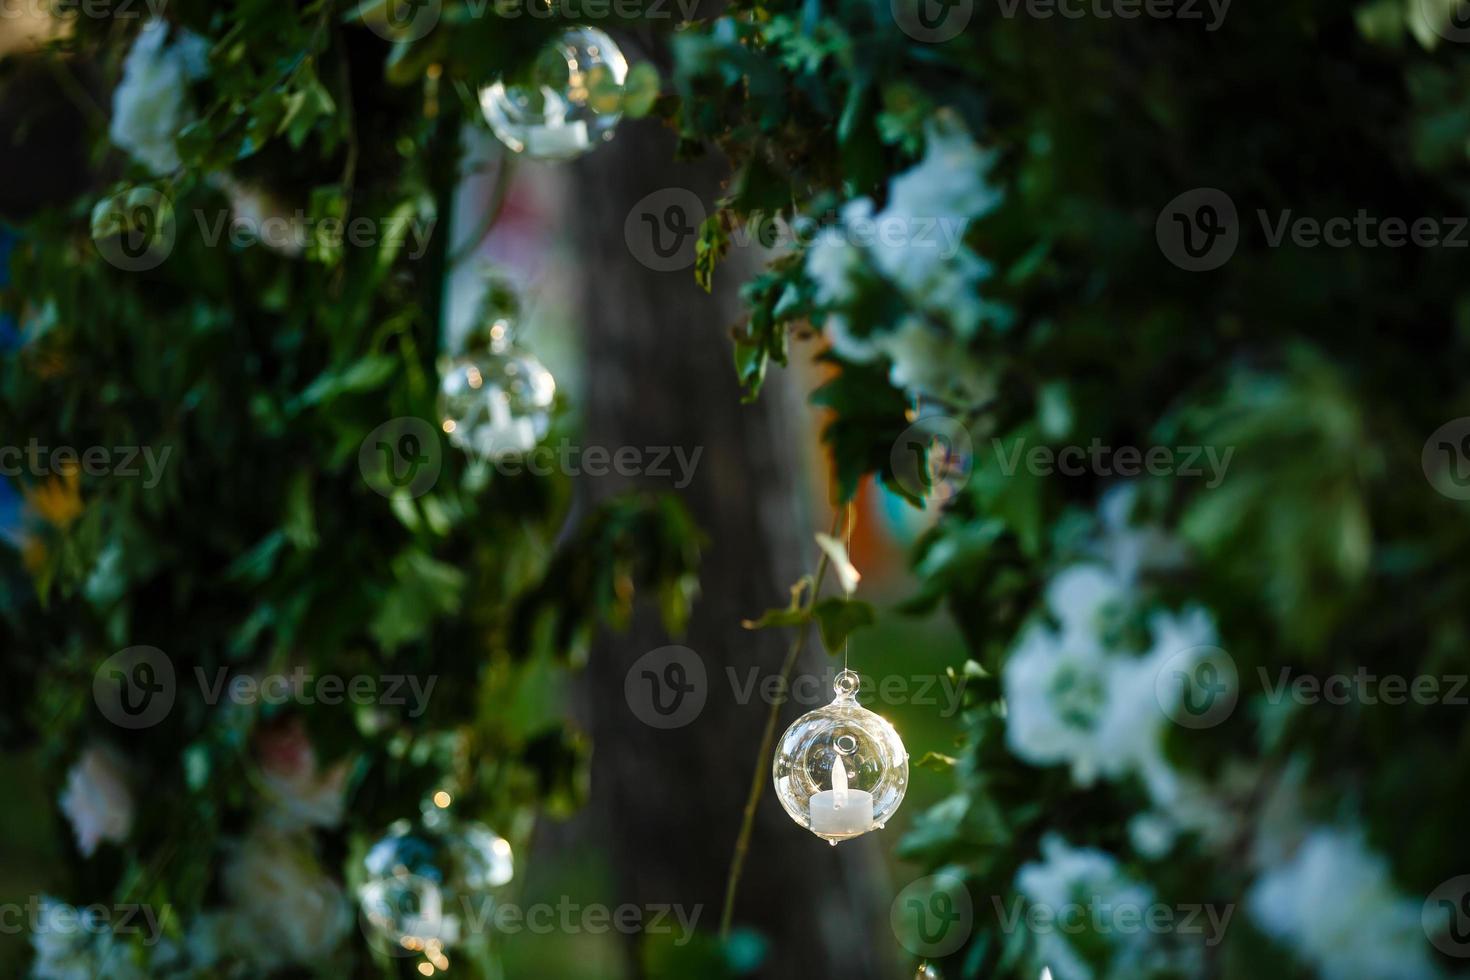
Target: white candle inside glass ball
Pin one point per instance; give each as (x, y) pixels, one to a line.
(840, 811)
(558, 140)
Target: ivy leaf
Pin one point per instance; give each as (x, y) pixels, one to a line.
(839, 617)
(935, 762)
(640, 91)
(257, 564)
(750, 365)
(713, 243)
(776, 618)
(300, 521)
(424, 589)
(366, 374)
(793, 615)
(847, 574)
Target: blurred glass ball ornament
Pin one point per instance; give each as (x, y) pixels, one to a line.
(495, 399)
(424, 879)
(928, 971)
(842, 770)
(571, 102)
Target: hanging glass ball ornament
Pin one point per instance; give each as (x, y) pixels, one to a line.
(424, 882)
(570, 103)
(495, 399)
(841, 770)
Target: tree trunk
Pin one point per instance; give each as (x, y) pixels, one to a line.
(666, 804)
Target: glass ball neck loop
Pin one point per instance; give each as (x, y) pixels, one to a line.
(846, 685)
(497, 335)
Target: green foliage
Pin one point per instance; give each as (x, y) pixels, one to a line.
(254, 379)
(1321, 371)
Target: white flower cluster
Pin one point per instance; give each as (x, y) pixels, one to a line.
(73, 944)
(1095, 902)
(278, 889)
(916, 245)
(1335, 904)
(274, 883)
(97, 800)
(150, 104)
(1072, 697)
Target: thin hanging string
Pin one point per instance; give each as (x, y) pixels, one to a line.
(851, 521)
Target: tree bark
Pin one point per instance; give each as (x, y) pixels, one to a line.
(666, 804)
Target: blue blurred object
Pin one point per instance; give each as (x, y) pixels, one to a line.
(9, 339)
(9, 333)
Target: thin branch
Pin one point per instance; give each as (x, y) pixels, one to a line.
(761, 774)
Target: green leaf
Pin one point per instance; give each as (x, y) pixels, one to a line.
(934, 762)
(839, 617)
(640, 90)
(713, 243)
(257, 564)
(300, 518)
(366, 374)
(794, 614)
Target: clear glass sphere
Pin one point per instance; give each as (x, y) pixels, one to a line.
(423, 879)
(495, 401)
(570, 103)
(842, 770)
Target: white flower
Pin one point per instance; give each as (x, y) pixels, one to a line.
(296, 913)
(950, 180)
(832, 262)
(1070, 698)
(934, 362)
(97, 800)
(846, 344)
(916, 244)
(300, 794)
(1152, 834)
(217, 937)
(1081, 595)
(1083, 884)
(263, 217)
(1135, 550)
(920, 241)
(150, 104)
(1335, 903)
(72, 944)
